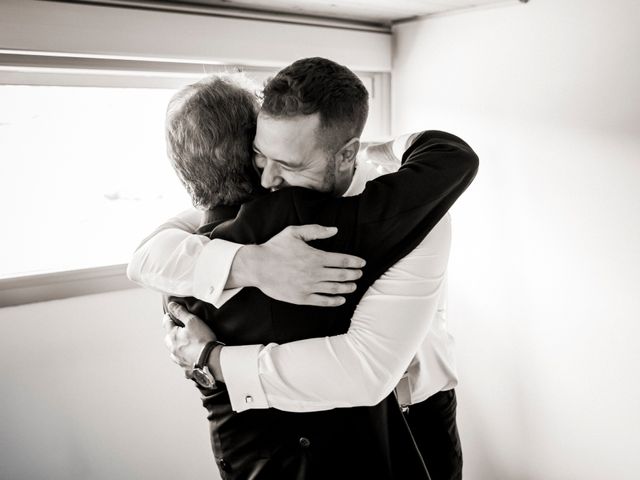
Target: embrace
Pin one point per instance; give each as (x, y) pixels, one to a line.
(306, 297)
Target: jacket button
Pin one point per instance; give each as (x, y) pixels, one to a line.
(305, 442)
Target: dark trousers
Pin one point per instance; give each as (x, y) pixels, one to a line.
(433, 425)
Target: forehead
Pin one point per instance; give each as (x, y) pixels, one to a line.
(291, 140)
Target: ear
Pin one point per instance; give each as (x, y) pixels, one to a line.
(346, 156)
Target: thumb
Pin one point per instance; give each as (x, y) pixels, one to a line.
(314, 232)
(179, 314)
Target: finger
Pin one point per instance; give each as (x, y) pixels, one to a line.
(168, 342)
(324, 301)
(176, 322)
(332, 274)
(340, 260)
(313, 232)
(181, 314)
(167, 322)
(335, 288)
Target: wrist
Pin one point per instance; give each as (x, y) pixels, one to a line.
(244, 271)
(214, 364)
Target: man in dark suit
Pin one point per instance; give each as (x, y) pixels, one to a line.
(383, 224)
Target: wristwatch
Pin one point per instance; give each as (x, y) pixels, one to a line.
(201, 373)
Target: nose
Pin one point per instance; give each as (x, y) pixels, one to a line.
(270, 178)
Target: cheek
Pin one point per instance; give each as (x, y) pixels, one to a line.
(311, 177)
(302, 179)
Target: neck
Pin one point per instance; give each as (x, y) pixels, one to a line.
(343, 182)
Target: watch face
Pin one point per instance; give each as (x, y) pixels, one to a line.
(202, 378)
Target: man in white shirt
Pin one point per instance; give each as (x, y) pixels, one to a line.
(399, 326)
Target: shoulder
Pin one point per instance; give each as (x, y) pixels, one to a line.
(284, 197)
(439, 137)
(286, 205)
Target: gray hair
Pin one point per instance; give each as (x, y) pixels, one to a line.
(210, 127)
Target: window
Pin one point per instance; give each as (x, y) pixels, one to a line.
(84, 177)
(84, 170)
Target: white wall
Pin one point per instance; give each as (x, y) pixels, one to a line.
(544, 287)
(88, 392)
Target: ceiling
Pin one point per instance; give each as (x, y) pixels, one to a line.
(375, 12)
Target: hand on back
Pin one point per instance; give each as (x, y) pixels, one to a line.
(286, 268)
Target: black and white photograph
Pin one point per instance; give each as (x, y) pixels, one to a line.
(320, 239)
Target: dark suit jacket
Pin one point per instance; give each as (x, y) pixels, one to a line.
(388, 220)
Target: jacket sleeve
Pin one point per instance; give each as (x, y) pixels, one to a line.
(396, 211)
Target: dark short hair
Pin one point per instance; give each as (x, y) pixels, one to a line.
(318, 85)
(210, 127)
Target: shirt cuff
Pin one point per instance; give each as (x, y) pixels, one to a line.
(212, 271)
(240, 369)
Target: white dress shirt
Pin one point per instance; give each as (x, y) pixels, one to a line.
(399, 325)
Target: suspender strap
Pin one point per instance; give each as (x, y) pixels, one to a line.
(403, 392)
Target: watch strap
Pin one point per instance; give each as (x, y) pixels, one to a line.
(204, 356)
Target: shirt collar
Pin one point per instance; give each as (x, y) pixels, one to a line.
(364, 172)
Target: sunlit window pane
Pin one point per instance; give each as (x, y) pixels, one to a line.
(84, 175)
(84, 172)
